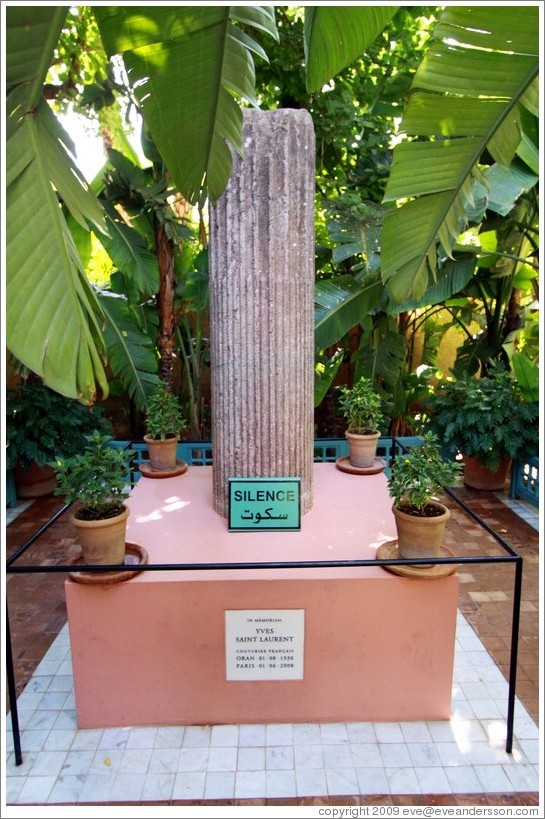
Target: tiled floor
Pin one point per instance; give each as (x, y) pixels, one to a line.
(461, 761)
(464, 755)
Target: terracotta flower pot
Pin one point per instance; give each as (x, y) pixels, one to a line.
(34, 481)
(102, 541)
(420, 536)
(162, 454)
(362, 449)
(478, 477)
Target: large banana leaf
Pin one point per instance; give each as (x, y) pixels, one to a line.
(52, 317)
(325, 370)
(507, 186)
(527, 375)
(31, 36)
(185, 63)
(381, 357)
(456, 274)
(129, 252)
(341, 304)
(131, 352)
(483, 63)
(336, 35)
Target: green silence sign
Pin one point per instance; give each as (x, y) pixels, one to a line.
(264, 504)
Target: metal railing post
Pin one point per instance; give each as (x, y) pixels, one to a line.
(12, 690)
(515, 624)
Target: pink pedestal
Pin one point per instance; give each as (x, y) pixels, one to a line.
(151, 650)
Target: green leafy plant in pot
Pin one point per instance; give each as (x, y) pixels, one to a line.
(415, 479)
(97, 481)
(361, 406)
(164, 423)
(42, 424)
(489, 421)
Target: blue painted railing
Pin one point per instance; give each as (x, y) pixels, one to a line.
(525, 480)
(199, 453)
(11, 493)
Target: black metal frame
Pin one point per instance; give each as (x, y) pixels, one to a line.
(511, 557)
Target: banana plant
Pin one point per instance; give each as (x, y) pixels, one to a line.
(131, 350)
(53, 317)
(479, 72)
(527, 374)
(187, 65)
(335, 37)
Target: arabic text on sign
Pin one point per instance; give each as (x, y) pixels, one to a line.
(258, 516)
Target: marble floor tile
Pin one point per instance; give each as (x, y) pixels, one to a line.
(466, 754)
(280, 783)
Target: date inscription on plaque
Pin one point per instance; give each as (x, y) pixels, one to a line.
(265, 644)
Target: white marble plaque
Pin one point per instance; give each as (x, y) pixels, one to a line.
(265, 644)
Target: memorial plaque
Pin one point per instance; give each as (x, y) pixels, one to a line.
(264, 504)
(265, 644)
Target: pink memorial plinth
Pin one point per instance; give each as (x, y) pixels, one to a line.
(153, 650)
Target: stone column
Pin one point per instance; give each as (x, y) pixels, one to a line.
(262, 307)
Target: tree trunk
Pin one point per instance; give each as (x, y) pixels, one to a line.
(166, 341)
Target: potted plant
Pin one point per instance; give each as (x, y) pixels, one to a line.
(40, 425)
(415, 479)
(489, 421)
(361, 407)
(164, 423)
(97, 481)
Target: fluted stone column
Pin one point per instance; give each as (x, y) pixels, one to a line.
(261, 307)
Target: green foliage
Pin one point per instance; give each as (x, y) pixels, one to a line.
(340, 304)
(354, 115)
(406, 398)
(204, 61)
(41, 424)
(97, 477)
(187, 85)
(500, 293)
(417, 476)
(325, 57)
(79, 59)
(47, 290)
(461, 111)
(191, 311)
(527, 374)
(205, 65)
(164, 416)
(485, 418)
(361, 406)
(325, 369)
(131, 351)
